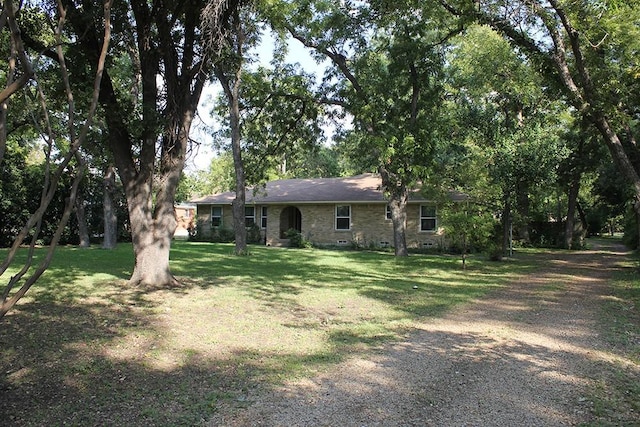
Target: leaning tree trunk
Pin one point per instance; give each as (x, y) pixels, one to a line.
(238, 205)
(231, 87)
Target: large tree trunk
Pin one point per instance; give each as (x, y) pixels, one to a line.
(110, 238)
(151, 236)
(398, 197)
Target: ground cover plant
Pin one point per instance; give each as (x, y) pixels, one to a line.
(84, 348)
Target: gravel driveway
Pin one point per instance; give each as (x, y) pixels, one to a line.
(523, 356)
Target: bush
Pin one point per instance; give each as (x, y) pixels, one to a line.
(223, 235)
(296, 240)
(254, 235)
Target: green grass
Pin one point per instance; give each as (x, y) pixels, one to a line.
(616, 393)
(84, 348)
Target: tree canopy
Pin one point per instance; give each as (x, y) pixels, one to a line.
(504, 100)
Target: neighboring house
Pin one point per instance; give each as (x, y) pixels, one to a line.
(326, 211)
(185, 215)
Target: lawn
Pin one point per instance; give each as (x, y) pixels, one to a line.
(83, 348)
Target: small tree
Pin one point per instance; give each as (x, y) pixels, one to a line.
(55, 166)
(468, 227)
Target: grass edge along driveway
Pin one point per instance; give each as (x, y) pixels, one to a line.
(83, 348)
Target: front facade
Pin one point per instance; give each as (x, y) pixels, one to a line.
(326, 211)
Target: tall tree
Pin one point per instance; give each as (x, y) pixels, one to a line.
(149, 117)
(240, 36)
(386, 63)
(60, 150)
(587, 48)
(504, 109)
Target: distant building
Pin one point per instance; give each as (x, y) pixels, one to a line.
(185, 215)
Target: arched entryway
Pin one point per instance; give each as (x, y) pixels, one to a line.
(290, 218)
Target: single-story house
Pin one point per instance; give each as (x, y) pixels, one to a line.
(326, 211)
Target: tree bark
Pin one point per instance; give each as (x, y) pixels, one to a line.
(569, 226)
(506, 225)
(231, 88)
(110, 237)
(524, 204)
(398, 197)
(81, 217)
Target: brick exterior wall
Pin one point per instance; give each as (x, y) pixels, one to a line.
(369, 226)
(204, 219)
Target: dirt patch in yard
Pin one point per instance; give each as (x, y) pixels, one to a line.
(532, 354)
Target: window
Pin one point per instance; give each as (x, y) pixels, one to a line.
(263, 217)
(427, 218)
(388, 213)
(216, 216)
(249, 216)
(343, 217)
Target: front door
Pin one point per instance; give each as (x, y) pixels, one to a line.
(290, 218)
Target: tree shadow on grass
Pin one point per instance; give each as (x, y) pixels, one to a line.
(70, 363)
(65, 365)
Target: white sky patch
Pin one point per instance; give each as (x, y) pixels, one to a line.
(201, 154)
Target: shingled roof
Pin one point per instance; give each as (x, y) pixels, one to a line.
(364, 188)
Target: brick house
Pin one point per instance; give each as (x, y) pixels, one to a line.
(326, 211)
